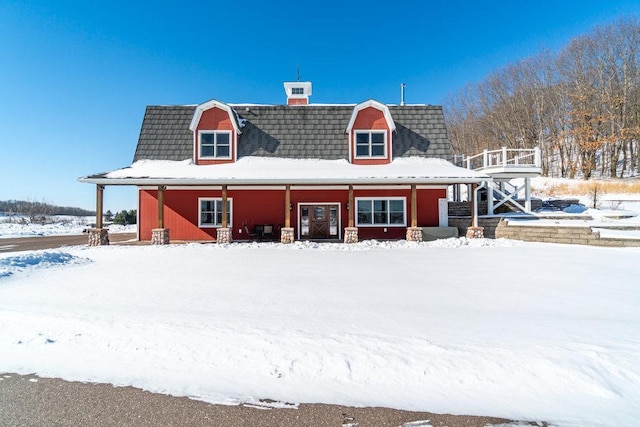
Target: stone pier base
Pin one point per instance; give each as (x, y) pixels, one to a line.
(475, 232)
(414, 234)
(160, 236)
(351, 235)
(286, 235)
(223, 235)
(98, 237)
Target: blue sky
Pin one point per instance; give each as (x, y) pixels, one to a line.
(76, 76)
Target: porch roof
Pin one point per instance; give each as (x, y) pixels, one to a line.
(271, 171)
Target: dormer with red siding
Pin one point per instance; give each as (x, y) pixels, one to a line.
(215, 133)
(370, 131)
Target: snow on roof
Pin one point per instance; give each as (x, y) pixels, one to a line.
(270, 170)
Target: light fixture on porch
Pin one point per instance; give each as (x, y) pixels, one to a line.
(290, 206)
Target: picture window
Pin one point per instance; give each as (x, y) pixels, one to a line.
(381, 212)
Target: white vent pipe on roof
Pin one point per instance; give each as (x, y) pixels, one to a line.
(402, 86)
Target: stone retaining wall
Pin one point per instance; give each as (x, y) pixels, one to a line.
(559, 234)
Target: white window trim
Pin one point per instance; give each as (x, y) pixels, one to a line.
(369, 131)
(215, 199)
(371, 199)
(215, 157)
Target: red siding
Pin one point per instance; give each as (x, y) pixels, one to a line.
(215, 119)
(370, 118)
(252, 207)
(297, 101)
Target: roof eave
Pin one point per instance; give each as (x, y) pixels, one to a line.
(283, 181)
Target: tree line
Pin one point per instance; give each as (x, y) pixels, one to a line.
(34, 209)
(580, 106)
(40, 211)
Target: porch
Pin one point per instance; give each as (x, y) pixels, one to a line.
(304, 198)
(226, 213)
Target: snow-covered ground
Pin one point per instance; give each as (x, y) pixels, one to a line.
(519, 330)
(607, 203)
(487, 327)
(615, 216)
(16, 226)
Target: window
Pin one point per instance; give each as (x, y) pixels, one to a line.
(381, 212)
(215, 145)
(210, 212)
(297, 91)
(371, 144)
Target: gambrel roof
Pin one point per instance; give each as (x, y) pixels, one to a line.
(309, 131)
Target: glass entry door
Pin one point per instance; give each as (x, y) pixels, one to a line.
(319, 221)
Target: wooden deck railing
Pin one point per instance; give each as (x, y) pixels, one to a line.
(505, 158)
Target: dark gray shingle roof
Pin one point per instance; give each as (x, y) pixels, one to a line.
(311, 131)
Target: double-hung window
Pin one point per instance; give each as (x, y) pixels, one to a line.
(215, 145)
(210, 212)
(381, 212)
(371, 144)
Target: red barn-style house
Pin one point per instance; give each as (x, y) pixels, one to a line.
(223, 172)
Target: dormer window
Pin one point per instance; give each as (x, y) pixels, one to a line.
(370, 131)
(371, 144)
(297, 91)
(215, 145)
(216, 130)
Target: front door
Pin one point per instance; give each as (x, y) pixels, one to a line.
(319, 221)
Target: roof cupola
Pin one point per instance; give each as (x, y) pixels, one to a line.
(297, 92)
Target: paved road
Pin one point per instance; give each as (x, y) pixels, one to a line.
(49, 242)
(33, 401)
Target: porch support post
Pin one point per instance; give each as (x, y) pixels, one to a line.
(287, 206)
(414, 233)
(351, 232)
(99, 204)
(99, 236)
(474, 205)
(527, 195)
(223, 234)
(489, 186)
(161, 189)
(414, 206)
(352, 208)
(225, 210)
(286, 233)
(160, 235)
(474, 232)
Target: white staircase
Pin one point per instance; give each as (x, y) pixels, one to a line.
(504, 166)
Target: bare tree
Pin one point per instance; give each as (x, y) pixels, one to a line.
(581, 106)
